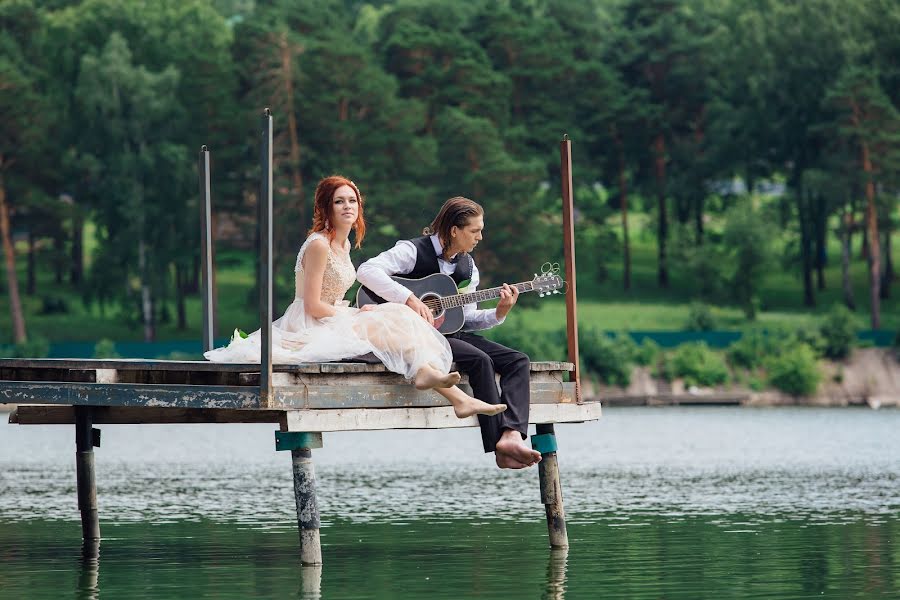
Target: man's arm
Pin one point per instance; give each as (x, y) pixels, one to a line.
(376, 272)
(479, 319)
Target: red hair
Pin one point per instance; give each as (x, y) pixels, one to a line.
(324, 199)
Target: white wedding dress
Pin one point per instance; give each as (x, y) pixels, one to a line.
(399, 337)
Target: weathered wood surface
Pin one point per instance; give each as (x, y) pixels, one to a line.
(117, 415)
(299, 420)
(349, 394)
(423, 418)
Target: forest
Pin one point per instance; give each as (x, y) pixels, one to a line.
(718, 146)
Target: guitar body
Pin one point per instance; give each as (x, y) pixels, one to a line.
(437, 285)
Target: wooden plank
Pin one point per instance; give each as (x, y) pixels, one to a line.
(337, 393)
(359, 419)
(397, 395)
(10, 366)
(297, 420)
(125, 394)
(117, 415)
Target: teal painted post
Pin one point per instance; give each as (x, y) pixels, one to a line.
(551, 490)
(85, 438)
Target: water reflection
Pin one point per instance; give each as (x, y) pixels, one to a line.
(89, 574)
(557, 563)
(310, 582)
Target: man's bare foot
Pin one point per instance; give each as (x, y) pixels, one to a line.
(512, 445)
(466, 406)
(428, 378)
(505, 461)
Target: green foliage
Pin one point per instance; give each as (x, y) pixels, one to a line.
(838, 331)
(646, 353)
(752, 349)
(698, 365)
(514, 333)
(700, 318)
(106, 348)
(748, 240)
(33, 347)
(608, 357)
(795, 370)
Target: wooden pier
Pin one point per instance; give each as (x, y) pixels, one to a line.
(306, 400)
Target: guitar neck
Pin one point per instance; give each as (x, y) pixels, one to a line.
(482, 295)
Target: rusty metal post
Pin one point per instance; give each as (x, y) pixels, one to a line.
(565, 159)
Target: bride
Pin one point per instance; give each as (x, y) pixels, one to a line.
(319, 326)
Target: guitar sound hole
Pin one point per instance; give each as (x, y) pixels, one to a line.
(437, 312)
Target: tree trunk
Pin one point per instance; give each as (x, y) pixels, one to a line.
(846, 224)
(15, 303)
(872, 237)
(806, 246)
(76, 268)
(146, 294)
(659, 147)
(180, 285)
(31, 276)
(623, 204)
(698, 219)
(821, 225)
(58, 257)
(887, 276)
(296, 175)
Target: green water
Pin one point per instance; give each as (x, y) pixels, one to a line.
(662, 503)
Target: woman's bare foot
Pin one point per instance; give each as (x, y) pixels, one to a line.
(428, 378)
(512, 445)
(468, 406)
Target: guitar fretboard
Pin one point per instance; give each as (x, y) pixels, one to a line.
(482, 295)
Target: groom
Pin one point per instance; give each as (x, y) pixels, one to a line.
(444, 248)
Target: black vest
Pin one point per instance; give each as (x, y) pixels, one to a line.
(427, 262)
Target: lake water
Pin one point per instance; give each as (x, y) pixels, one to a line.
(661, 502)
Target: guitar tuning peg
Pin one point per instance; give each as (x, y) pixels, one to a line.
(535, 274)
(555, 291)
(541, 295)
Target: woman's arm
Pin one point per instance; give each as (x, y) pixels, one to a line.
(314, 260)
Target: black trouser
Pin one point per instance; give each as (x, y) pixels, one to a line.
(481, 359)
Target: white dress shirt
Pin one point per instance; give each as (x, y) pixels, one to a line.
(376, 273)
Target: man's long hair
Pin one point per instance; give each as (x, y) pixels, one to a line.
(455, 212)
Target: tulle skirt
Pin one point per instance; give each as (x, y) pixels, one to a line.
(399, 337)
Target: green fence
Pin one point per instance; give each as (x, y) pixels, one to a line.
(194, 348)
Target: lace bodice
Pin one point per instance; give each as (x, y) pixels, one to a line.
(338, 277)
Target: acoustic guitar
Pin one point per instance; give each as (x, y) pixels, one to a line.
(439, 293)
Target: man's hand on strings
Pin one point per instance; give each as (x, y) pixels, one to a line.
(423, 311)
(508, 297)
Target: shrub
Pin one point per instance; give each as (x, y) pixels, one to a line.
(646, 353)
(33, 347)
(537, 345)
(752, 348)
(610, 358)
(795, 370)
(700, 318)
(838, 331)
(105, 348)
(698, 365)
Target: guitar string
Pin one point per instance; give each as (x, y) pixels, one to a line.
(456, 300)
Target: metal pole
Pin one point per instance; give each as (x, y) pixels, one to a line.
(565, 160)
(265, 265)
(86, 480)
(206, 265)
